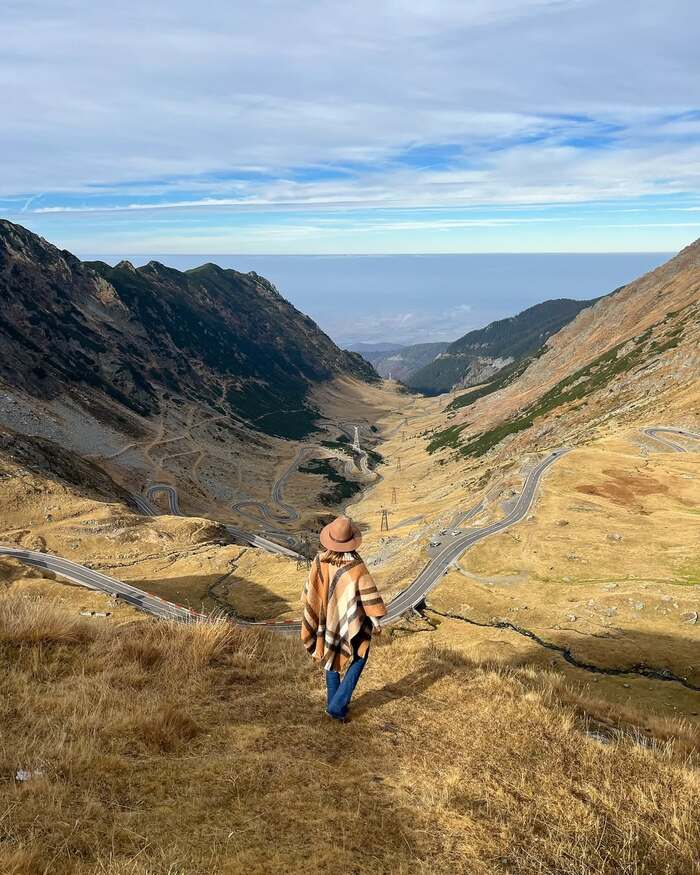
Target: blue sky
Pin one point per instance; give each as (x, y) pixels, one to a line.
(371, 127)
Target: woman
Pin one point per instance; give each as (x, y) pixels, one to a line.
(341, 610)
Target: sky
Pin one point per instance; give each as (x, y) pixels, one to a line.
(318, 127)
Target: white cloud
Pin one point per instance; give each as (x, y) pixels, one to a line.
(408, 327)
(160, 99)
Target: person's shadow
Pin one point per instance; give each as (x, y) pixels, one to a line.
(436, 666)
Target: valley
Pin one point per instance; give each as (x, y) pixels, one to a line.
(350, 438)
(539, 558)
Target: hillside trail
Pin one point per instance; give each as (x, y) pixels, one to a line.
(151, 445)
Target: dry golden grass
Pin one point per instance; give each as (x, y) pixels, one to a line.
(204, 749)
(33, 620)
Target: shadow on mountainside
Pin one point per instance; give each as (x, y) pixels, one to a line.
(34, 456)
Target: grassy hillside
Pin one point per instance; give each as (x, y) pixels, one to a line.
(481, 354)
(644, 352)
(153, 748)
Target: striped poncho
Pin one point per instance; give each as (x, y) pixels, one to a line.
(338, 603)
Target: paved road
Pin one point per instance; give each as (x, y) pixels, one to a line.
(656, 433)
(433, 572)
(348, 429)
(170, 492)
(85, 576)
(288, 512)
(405, 601)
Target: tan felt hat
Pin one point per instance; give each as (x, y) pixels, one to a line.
(342, 535)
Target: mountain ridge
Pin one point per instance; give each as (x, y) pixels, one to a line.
(616, 359)
(481, 354)
(120, 338)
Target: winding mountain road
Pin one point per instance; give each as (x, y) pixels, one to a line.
(288, 512)
(431, 575)
(85, 576)
(656, 431)
(170, 493)
(405, 601)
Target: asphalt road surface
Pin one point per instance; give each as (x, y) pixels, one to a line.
(405, 601)
(433, 572)
(656, 433)
(288, 512)
(85, 576)
(170, 492)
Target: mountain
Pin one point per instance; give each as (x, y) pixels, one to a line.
(632, 356)
(367, 349)
(117, 341)
(481, 354)
(401, 362)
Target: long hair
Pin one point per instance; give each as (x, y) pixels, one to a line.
(332, 557)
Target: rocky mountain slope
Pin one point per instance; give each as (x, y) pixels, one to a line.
(632, 355)
(116, 341)
(480, 355)
(401, 363)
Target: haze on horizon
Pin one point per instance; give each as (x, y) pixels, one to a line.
(404, 127)
(409, 299)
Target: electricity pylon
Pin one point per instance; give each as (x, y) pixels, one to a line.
(304, 555)
(384, 527)
(393, 495)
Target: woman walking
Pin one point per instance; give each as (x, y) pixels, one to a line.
(342, 608)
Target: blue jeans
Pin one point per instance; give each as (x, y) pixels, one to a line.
(340, 692)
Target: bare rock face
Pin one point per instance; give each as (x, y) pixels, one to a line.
(116, 340)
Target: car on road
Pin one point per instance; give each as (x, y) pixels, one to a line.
(456, 532)
(435, 543)
(443, 531)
